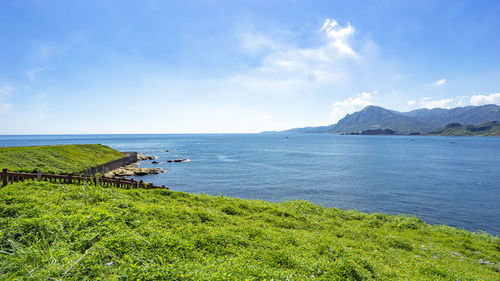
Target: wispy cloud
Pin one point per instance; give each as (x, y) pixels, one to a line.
(485, 99)
(351, 104)
(284, 64)
(284, 74)
(45, 51)
(397, 76)
(442, 103)
(339, 36)
(288, 70)
(439, 82)
(5, 91)
(255, 43)
(458, 101)
(32, 72)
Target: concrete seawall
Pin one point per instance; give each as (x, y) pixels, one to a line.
(115, 164)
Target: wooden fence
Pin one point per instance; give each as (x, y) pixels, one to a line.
(7, 177)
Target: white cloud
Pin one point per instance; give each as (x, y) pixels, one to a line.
(5, 91)
(286, 76)
(411, 102)
(351, 104)
(284, 65)
(439, 82)
(339, 36)
(482, 99)
(458, 101)
(442, 103)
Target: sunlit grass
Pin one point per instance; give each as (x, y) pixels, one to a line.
(56, 158)
(50, 231)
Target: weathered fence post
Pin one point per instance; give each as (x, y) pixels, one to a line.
(4, 176)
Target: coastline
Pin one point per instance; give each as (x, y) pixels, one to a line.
(330, 170)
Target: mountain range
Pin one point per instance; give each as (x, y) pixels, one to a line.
(421, 121)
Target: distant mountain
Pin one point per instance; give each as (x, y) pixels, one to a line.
(473, 115)
(456, 129)
(320, 129)
(313, 130)
(375, 117)
(416, 121)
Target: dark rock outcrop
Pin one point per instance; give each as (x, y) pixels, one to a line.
(178, 160)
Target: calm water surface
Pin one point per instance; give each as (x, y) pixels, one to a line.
(443, 183)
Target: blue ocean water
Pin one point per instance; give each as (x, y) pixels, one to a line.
(443, 180)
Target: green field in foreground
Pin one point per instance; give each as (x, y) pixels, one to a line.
(56, 158)
(81, 232)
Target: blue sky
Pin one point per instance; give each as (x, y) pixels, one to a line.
(237, 66)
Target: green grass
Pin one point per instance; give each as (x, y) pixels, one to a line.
(456, 129)
(56, 158)
(54, 232)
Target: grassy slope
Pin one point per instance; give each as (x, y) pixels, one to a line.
(82, 232)
(56, 158)
(456, 129)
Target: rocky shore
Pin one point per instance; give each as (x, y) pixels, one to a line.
(133, 170)
(141, 157)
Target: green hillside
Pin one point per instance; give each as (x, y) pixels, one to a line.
(457, 129)
(56, 158)
(51, 232)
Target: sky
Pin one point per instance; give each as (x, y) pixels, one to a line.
(71, 67)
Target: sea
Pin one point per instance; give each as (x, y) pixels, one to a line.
(442, 180)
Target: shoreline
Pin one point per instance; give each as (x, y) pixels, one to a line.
(265, 179)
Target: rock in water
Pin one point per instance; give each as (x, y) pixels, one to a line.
(141, 157)
(178, 160)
